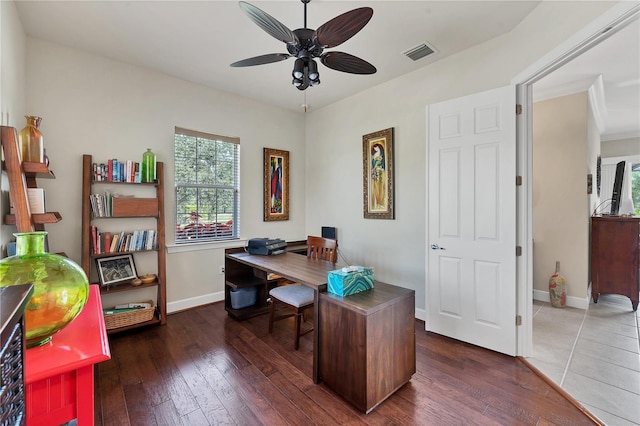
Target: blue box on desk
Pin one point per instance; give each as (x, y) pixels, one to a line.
(343, 282)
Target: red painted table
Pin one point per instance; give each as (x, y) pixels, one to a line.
(59, 374)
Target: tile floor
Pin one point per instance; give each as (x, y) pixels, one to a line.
(593, 354)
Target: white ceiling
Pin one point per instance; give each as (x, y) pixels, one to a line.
(617, 60)
(197, 40)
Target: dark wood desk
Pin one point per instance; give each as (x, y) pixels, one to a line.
(615, 257)
(374, 334)
(243, 270)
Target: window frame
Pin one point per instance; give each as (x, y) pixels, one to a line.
(198, 231)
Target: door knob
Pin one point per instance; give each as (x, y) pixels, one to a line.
(436, 247)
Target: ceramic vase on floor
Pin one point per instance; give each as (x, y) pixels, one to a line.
(61, 287)
(557, 288)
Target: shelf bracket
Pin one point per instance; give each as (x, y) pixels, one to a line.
(17, 180)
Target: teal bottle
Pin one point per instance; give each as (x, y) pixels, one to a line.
(148, 166)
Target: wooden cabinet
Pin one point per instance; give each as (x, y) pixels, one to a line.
(24, 175)
(615, 257)
(240, 276)
(133, 208)
(13, 300)
(367, 343)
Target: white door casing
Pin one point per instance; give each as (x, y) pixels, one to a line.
(471, 216)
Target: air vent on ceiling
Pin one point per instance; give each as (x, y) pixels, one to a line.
(419, 52)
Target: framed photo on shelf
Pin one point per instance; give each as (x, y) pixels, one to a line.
(276, 184)
(116, 269)
(377, 175)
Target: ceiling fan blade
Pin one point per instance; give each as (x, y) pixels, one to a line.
(343, 27)
(345, 62)
(261, 60)
(268, 23)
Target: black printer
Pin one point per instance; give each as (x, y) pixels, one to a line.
(266, 246)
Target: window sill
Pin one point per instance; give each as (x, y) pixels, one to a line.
(208, 245)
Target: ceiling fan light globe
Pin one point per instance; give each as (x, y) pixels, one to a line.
(313, 70)
(314, 82)
(297, 82)
(298, 69)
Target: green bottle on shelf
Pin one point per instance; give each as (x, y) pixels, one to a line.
(148, 166)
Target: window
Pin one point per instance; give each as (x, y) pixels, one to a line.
(630, 197)
(635, 187)
(207, 181)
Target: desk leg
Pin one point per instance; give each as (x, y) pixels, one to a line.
(316, 333)
(316, 337)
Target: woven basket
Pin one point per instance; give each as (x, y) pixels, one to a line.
(124, 319)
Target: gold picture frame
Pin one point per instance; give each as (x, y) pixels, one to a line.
(377, 175)
(276, 184)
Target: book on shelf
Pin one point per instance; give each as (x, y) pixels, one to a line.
(123, 241)
(36, 200)
(117, 171)
(101, 204)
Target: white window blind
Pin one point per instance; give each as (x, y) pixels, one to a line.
(207, 185)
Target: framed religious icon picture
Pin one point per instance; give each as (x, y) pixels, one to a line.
(377, 175)
(276, 184)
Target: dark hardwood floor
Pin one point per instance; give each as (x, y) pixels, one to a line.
(204, 368)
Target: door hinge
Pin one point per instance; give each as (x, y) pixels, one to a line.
(518, 320)
(518, 180)
(518, 109)
(518, 250)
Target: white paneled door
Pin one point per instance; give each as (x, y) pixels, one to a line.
(471, 244)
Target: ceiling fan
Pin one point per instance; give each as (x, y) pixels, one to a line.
(305, 44)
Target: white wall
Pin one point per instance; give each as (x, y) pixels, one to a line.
(93, 105)
(12, 93)
(621, 147)
(396, 248)
(561, 207)
(98, 106)
(593, 151)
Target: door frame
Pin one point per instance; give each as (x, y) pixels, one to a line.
(603, 27)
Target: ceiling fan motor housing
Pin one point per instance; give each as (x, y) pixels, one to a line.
(307, 44)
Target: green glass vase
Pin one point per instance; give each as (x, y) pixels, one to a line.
(60, 286)
(148, 166)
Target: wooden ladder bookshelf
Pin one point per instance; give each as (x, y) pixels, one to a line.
(23, 175)
(135, 208)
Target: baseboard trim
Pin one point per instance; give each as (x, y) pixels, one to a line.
(421, 314)
(572, 301)
(193, 302)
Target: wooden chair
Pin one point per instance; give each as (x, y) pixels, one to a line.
(299, 298)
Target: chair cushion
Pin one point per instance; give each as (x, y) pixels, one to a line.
(295, 295)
